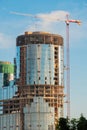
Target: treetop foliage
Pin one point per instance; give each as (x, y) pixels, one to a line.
(73, 124)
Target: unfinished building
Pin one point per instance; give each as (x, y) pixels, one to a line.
(40, 61)
(40, 81)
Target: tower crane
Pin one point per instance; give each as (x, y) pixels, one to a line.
(67, 21)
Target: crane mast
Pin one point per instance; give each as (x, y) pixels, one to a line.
(67, 21)
(68, 67)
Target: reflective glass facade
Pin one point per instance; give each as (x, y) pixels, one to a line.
(40, 63)
(1, 80)
(18, 62)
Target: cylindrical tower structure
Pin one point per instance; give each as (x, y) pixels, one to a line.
(40, 62)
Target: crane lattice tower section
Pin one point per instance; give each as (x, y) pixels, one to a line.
(40, 69)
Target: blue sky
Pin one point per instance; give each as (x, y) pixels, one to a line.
(12, 25)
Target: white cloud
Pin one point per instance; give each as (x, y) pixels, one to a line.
(53, 16)
(5, 41)
(50, 17)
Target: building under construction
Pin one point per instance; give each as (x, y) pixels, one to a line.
(38, 101)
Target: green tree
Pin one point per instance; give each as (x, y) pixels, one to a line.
(73, 124)
(82, 123)
(63, 124)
